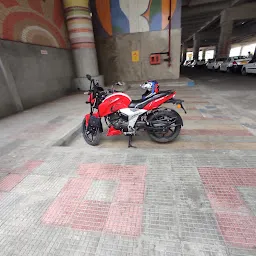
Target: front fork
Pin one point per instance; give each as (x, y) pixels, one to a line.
(93, 121)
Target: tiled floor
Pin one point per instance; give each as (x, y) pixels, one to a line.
(193, 197)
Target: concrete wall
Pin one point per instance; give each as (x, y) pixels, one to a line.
(7, 107)
(115, 59)
(38, 78)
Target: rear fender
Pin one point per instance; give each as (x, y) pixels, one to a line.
(170, 110)
(178, 116)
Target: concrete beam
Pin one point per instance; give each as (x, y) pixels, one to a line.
(214, 19)
(209, 35)
(245, 11)
(241, 31)
(205, 8)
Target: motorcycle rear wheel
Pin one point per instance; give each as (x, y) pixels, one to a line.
(92, 138)
(165, 136)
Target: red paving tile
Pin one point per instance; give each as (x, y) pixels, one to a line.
(28, 167)
(238, 230)
(121, 216)
(130, 192)
(99, 171)
(186, 117)
(112, 172)
(37, 131)
(236, 222)
(67, 202)
(10, 181)
(195, 132)
(13, 179)
(124, 219)
(197, 102)
(91, 216)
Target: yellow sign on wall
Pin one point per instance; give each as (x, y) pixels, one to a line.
(135, 56)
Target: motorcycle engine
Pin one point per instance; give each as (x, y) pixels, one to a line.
(119, 121)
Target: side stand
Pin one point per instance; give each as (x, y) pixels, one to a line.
(130, 142)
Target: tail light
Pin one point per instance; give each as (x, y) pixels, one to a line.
(234, 63)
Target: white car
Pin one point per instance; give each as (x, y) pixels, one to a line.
(198, 63)
(215, 64)
(234, 64)
(209, 63)
(187, 63)
(249, 68)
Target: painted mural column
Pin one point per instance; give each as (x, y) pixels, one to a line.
(81, 37)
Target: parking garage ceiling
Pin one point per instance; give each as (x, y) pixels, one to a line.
(204, 16)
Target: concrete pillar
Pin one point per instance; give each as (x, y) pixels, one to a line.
(224, 44)
(203, 55)
(81, 37)
(254, 55)
(240, 53)
(184, 52)
(196, 46)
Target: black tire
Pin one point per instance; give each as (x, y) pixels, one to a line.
(243, 71)
(158, 136)
(94, 140)
(229, 70)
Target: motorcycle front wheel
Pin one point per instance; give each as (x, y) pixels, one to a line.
(91, 137)
(165, 135)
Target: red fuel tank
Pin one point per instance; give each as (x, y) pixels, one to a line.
(113, 103)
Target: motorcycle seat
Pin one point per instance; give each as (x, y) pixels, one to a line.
(141, 103)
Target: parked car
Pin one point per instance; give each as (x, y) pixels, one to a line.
(198, 63)
(234, 64)
(209, 62)
(249, 68)
(215, 64)
(187, 63)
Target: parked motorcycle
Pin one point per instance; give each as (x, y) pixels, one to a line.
(125, 116)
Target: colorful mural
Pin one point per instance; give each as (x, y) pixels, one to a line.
(79, 23)
(157, 13)
(33, 21)
(113, 17)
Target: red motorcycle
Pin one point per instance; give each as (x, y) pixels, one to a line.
(125, 116)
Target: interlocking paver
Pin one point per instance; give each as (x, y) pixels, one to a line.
(199, 226)
(160, 222)
(191, 249)
(193, 197)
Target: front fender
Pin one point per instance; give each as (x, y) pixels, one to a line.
(87, 117)
(93, 121)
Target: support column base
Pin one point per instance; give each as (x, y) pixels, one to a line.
(83, 84)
